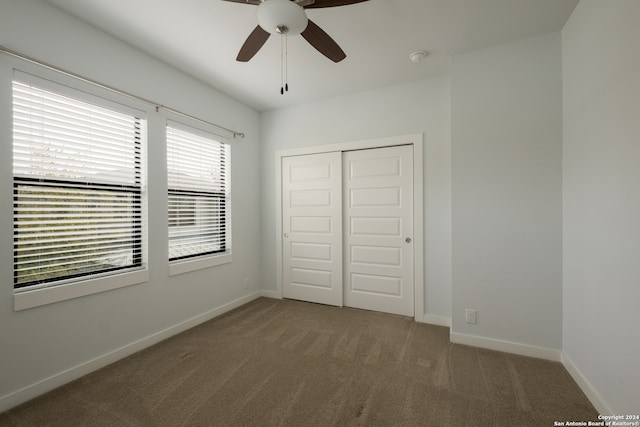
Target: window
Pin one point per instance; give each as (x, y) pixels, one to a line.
(198, 188)
(77, 184)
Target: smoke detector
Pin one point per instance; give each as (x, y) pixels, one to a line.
(417, 57)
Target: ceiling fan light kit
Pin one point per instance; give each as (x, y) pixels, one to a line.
(281, 16)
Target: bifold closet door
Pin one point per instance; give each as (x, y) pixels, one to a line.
(312, 228)
(378, 229)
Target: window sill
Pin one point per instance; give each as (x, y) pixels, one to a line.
(38, 297)
(179, 267)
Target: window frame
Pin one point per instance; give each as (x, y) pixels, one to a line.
(72, 287)
(207, 260)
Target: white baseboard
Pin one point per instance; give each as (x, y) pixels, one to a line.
(433, 319)
(270, 294)
(594, 397)
(543, 353)
(507, 346)
(31, 391)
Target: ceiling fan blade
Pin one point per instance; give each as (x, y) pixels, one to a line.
(323, 42)
(252, 44)
(331, 3)
(256, 2)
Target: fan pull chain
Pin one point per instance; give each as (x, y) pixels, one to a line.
(284, 56)
(286, 62)
(281, 64)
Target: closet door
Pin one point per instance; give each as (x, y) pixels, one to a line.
(312, 228)
(378, 226)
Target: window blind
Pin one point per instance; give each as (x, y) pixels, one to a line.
(198, 187)
(77, 187)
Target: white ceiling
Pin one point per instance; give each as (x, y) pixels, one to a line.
(202, 38)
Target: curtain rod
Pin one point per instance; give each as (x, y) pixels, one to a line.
(158, 106)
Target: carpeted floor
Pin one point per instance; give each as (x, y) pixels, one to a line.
(290, 363)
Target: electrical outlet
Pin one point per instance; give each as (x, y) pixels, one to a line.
(246, 283)
(471, 316)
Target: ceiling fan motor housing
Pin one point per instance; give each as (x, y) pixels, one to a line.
(278, 16)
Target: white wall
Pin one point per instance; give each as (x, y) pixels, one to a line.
(419, 107)
(40, 344)
(506, 141)
(601, 229)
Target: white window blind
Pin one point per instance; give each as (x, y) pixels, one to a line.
(77, 187)
(198, 188)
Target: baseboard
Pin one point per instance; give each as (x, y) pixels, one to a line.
(34, 390)
(270, 294)
(433, 319)
(507, 346)
(594, 397)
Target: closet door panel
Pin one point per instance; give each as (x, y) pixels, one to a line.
(378, 229)
(312, 228)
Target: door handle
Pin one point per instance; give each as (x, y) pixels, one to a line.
(408, 240)
(286, 235)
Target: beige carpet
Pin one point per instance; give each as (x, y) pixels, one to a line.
(274, 363)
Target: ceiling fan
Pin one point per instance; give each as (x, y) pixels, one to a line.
(288, 17)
